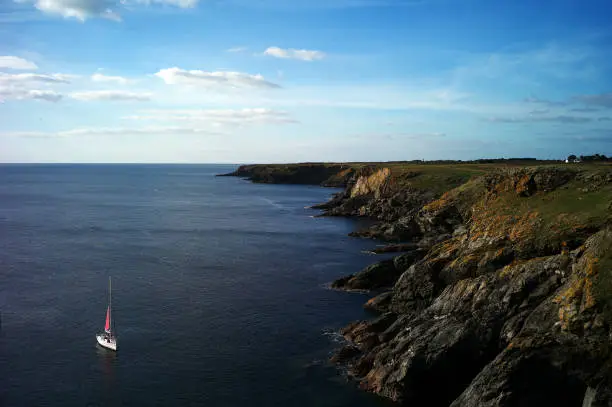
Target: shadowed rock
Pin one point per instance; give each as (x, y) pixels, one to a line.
(378, 275)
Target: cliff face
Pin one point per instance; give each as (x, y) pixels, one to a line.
(392, 195)
(506, 299)
(503, 293)
(332, 175)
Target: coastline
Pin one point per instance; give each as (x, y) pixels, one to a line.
(500, 273)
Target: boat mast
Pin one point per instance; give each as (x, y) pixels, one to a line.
(110, 303)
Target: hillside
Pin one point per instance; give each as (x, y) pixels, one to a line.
(502, 295)
(339, 174)
(504, 299)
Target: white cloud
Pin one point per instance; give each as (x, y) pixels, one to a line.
(47, 95)
(85, 9)
(25, 86)
(110, 95)
(217, 117)
(12, 62)
(290, 53)
(25, 94)
(24, 78)
(113, 131)
(79, 9)
(97, 77)
(174, 76)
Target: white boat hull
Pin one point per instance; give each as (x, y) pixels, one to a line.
(110, 343)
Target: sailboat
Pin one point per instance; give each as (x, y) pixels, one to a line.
(107, 338)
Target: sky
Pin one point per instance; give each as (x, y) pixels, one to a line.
(244, 81)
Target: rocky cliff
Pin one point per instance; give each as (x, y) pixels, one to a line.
(502, 295)
(330, 175)
(505, 298)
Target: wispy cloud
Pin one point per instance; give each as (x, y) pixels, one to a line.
(534, 119)
(550, 103)
(78, 9)
(21, 78)
(584, 136)
(13, 62)
(174, 76)
(97, 77)
(83, 10)
(529, 67)
(237, 49)
(114, 131)
(539, 111)
(110, 95)
(217, 117)
(584, 109)
(601, 100)
(26, 86)
(291, 53)
(400, 136)
(595, 139)
(29, 94)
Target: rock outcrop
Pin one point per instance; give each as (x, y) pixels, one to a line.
(330, 175)
(379, 275)
(509, 302)
(503, 296)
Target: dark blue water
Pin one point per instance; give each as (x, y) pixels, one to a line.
(217, 289)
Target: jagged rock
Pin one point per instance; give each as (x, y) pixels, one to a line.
(361, 333)
(404, 229)
(457, 335)
(394, 248)
(527, 334)
(404, 261)
(416, 287)
(527, 181)
(344, 354)
(380, 303)
(378, 275)
(508, 301)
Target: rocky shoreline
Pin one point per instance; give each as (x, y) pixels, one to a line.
(502, 293)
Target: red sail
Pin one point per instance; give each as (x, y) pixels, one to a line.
(107, 325)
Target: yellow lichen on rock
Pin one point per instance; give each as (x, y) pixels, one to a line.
(579, 295)
(525, 226)
(438, 204)
(522, 185)
(591, 270)
(445, 249)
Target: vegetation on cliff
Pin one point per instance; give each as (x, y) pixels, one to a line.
(511, 303)
(503, 293)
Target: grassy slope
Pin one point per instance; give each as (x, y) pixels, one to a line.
(543, 222)
(436, 177)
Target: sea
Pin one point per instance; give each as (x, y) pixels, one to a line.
(219, 289)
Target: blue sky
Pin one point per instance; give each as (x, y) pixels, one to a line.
(303, 80)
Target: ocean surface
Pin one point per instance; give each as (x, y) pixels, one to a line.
(219, 294)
